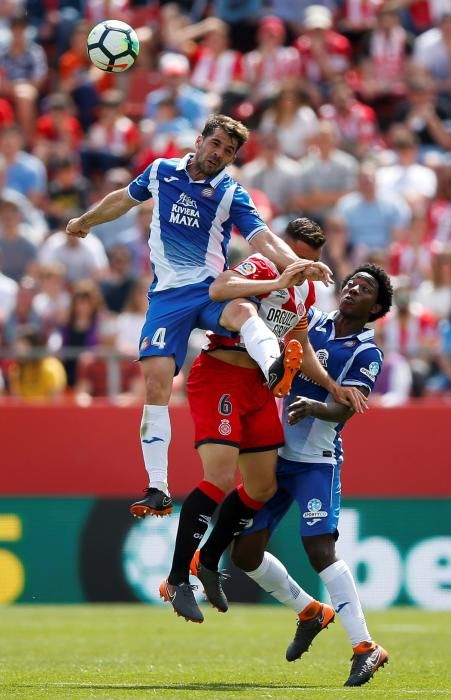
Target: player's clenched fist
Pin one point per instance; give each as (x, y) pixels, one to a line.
(76, 228)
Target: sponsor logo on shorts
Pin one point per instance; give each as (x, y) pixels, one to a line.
(314, 513)
(247, 268)
(314, 504)
(224, 427)
(145, 342)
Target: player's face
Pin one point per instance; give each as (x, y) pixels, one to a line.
(305, 251)
(214, 152)
(359, 296)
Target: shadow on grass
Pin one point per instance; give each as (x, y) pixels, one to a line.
(170, 686)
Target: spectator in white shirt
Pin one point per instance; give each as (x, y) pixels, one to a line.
(82, 257)
(416, 183)
(292, 118)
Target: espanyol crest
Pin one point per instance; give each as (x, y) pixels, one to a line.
(322, 356)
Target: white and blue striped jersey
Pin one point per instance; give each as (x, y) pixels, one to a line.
(192, 221)
(354, 360)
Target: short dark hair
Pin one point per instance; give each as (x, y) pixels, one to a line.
(306, 230)
(236, 130)
(385, 287)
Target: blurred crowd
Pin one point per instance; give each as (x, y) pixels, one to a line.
(349, 107)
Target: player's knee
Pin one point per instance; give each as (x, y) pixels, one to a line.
(236, 313)
(157, 392)
(157, 380)
(320, 551)
(245, 557)
(261, 492)
(221, 475)
(224, 482)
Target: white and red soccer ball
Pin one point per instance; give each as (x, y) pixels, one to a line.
(113, 46)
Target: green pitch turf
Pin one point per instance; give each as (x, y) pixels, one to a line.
(122, 652)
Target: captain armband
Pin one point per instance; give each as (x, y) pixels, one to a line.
(302, 325)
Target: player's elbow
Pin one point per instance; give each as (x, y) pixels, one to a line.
(217, 291)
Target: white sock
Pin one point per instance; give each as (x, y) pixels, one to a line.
(261, 343)
(155, 439)
(273, 577)
(341, 586)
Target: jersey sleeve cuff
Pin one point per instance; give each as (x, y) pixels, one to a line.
(254, 232)
(138, 194)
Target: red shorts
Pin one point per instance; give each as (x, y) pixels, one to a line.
(231, 406)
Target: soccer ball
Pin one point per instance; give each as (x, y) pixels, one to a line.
(113, 46)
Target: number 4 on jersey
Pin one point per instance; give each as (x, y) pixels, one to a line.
(158, 338)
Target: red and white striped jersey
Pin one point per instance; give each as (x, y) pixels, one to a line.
(212, 72)
(359, 14)
(281, 310)
(262, 70)
(358, 125)
(338, 51)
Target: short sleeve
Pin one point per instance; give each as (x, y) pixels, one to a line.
(138, 189)
(256, 267)
(244, 214)
(364, 369)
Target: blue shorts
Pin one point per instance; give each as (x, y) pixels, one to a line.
(173, 314)
(316, 488)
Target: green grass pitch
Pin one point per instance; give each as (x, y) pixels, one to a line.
(122, 652)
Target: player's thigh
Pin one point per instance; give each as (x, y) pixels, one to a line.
(215, 399)
(258, 472)
(260, 424)
(169, 321)
(268, 517)
(226, 317)
(219, 463)
(237, 312)
(248, 550)
(317, 493)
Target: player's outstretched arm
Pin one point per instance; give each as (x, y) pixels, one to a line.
(274, 248)
(231, 284)
(303, 407)
(312, 368)
(110, 207)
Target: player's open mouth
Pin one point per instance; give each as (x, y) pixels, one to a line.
(349, 299)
